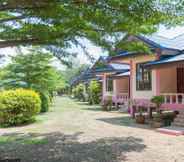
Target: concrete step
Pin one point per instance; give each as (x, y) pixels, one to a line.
(172, 130)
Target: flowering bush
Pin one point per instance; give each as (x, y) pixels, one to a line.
(18, 106)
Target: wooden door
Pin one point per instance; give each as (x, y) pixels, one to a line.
(180, 80)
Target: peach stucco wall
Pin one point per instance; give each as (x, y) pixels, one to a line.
(143, 94)
(121, 85)
(168, 80)
(136, 94)
(105, 92)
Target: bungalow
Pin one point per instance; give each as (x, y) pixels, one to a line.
(115, 78)
(138, 76)
(158, 73)
(85, 77)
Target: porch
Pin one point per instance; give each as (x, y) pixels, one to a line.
(116, 87)
(170, 84)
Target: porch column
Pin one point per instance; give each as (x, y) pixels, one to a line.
(158, 51)
(131, 108)
(115, 92)
(114, 87)
(131, 80)
(157, 82)
(104, 86)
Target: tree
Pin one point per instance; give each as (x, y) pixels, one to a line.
(57, 24)
(74, 71)
(33, 71)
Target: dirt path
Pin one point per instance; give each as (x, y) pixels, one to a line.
(77, 132)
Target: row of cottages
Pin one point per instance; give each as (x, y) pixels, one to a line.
(114, 77)
(142, 76)
(85, 77)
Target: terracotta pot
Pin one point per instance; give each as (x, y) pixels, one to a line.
(140, 119)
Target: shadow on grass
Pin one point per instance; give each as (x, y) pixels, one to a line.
(57, 147)
(124, 121)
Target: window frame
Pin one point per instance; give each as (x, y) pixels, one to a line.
(109, 89)
(145, 75)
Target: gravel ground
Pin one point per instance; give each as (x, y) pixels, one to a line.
(77, 132)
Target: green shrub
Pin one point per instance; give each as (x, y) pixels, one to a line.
(18, 106)
(79, 92)
(158, 101)
(45, 101)
(107, 104)
(74, 92)
(168, 118)
(94, 92)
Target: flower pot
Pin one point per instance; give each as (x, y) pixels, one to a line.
(140, 119)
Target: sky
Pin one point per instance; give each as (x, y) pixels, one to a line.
(96, 51)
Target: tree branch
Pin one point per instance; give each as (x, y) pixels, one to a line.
(24, 4)
(12, 19)
(13, 43)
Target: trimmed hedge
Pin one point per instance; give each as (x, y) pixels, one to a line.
(45, 101)
(18, 106)
(78, 92)
(95, 91)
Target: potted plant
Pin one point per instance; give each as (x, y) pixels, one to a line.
(107, 104)
(140, 118)
(158, 101)
(158, 118)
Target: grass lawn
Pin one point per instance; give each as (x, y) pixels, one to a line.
(76, 132)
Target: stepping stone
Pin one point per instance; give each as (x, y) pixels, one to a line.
(172, 130)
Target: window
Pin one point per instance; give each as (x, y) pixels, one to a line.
(109, 84)
(143, 77)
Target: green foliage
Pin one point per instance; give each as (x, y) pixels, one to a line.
(35, 141)
(62, 23)
(134, 46)
(23, 140)
(107, 104)
(33, 71)
(158, 100)
(18, 106)
(95, 91)
(100, 65)
(74, 92)
(74, 71)
(78, 92)
(45, 102)
(6, 139)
